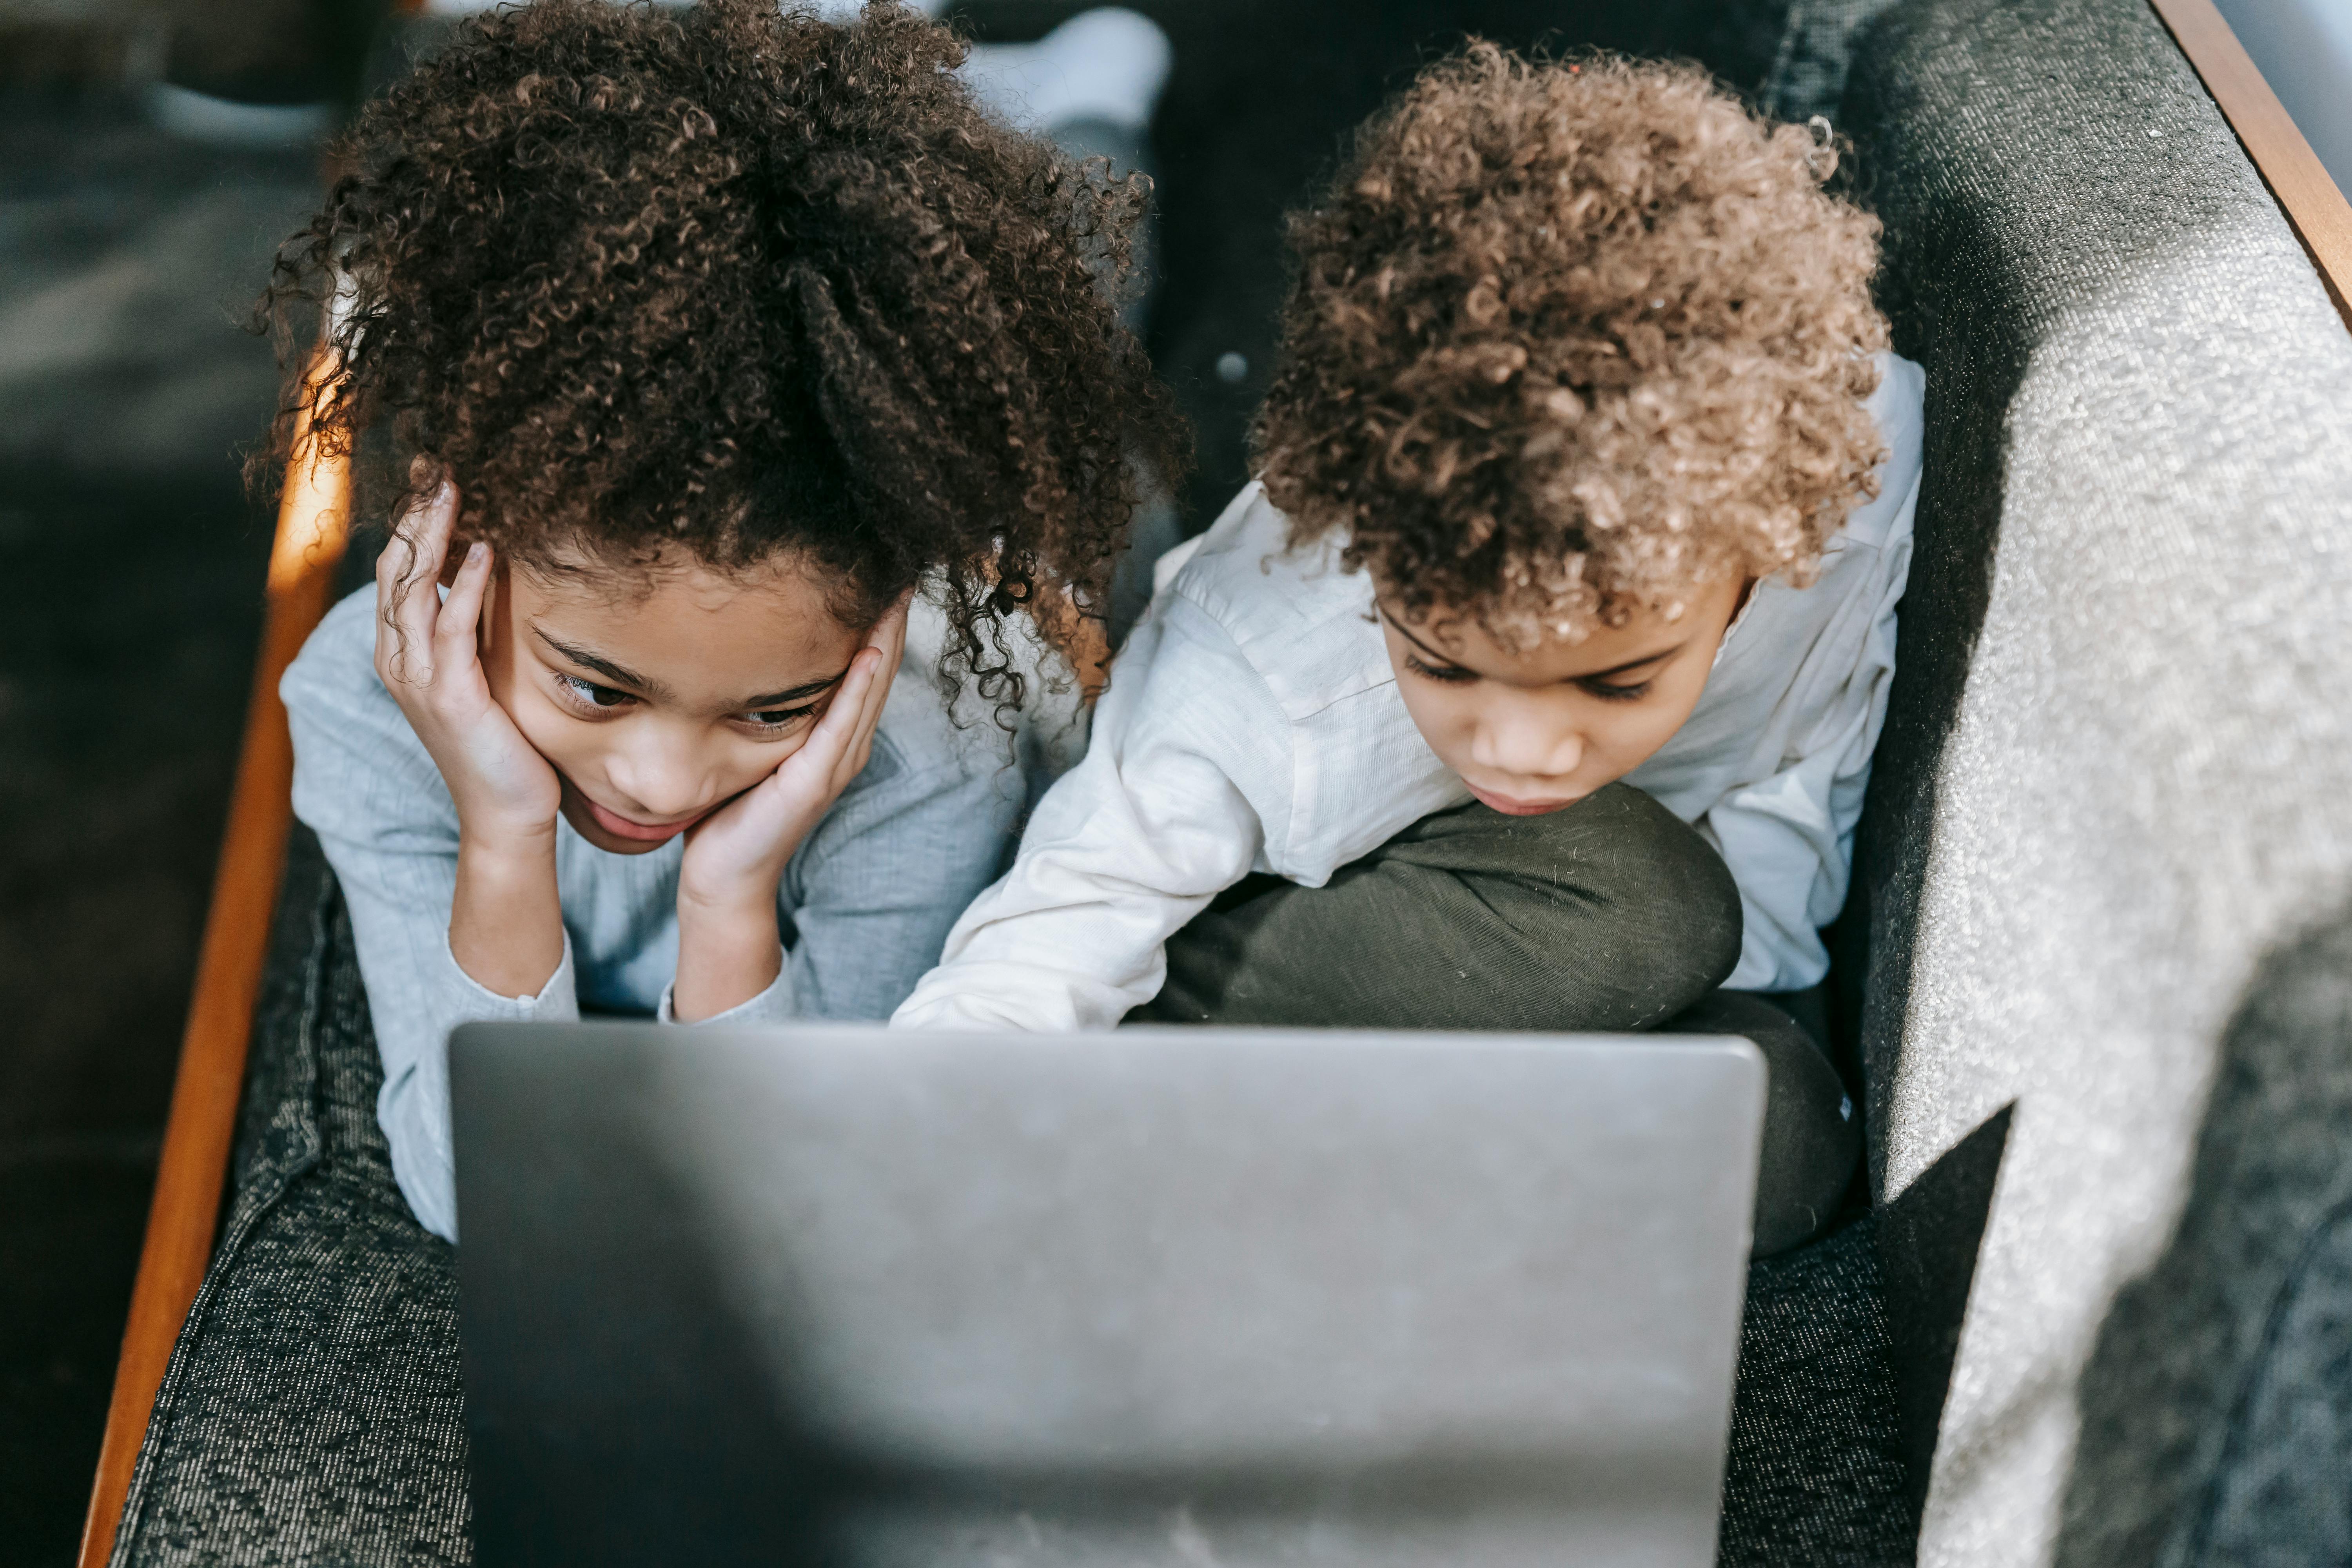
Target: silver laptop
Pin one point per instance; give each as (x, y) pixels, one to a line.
(837, 1295)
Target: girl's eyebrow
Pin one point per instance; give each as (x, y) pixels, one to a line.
(793, 693)
(603, 666)
(620, 676)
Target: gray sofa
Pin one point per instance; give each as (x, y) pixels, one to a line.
(2096, 978)
(2096, 946)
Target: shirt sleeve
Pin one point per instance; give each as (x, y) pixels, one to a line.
(883, 876)
(366, 785)
(1789, 837)
(1188, 770)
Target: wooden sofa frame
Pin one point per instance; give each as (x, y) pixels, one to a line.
(312, 524)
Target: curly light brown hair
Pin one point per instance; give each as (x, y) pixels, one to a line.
(746, 282)
(1570, 338)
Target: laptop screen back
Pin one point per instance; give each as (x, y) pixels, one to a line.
(1185, 1296)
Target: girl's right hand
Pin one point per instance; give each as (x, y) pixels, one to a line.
(428, 655)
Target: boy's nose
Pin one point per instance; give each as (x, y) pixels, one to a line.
(1528, 749)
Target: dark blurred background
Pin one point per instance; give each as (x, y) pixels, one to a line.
(152, 152)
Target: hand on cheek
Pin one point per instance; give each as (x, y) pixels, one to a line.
(729, 951)
(506, 922)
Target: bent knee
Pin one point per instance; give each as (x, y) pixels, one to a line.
(1663, 879)
(1615, 874)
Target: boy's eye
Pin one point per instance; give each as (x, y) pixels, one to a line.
(1608, 694)
(1452, 674)
(592, 695)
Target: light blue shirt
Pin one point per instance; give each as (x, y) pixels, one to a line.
(865, 902)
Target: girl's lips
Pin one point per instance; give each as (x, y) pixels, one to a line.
(1511, 806)
(620, 826)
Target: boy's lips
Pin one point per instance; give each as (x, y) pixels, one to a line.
(620, 826)
(1511, 805)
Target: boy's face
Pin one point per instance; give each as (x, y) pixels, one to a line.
(659, 702)
(1535, 731)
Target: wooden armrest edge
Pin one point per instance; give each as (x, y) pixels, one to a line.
(2315, 208)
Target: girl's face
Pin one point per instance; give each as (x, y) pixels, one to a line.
(1531, 732)
(658, 700)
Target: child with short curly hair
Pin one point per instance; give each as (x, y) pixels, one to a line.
(756, 388)
(1534, 683)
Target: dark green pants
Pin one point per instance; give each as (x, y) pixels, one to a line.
(1611, 915)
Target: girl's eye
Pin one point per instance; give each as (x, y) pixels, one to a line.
(1608, 694)
(1451, 674)
(588, 694)
(777, 718)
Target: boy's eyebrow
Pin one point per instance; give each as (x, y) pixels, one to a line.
(1631, 664)
(603, 666)
(1405, 633)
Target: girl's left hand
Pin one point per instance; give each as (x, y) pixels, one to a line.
(736, 856)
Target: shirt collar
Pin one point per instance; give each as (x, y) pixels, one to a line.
(1747, 609)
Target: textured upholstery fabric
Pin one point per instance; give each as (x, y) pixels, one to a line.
(2114, 779)
(2217, 1403)
(1814, 56)
(311, 1411)
(1814, 1478)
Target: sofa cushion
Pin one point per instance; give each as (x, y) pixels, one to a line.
(310, 1413)
(1815, 1474)
(313, 1412)
(2115, 764)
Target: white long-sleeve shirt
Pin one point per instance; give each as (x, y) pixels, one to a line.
(1253, 723)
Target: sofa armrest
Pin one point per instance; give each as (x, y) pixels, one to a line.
(2110, 787)
(2315, 207)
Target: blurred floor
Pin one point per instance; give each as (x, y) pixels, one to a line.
(130, 574)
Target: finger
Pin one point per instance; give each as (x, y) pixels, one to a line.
(461, 612)
(426, 528)
(393, 563)
(887, 643)
(876, 692)
(861, 746)
(398, 557)
(889, 640)
(889, 633)
(837, 731)
(408, 608)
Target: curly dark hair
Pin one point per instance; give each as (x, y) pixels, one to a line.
(1567, 338)
(747, 282)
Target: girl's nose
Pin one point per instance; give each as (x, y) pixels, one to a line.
(659, 775)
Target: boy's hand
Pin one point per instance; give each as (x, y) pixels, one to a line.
(428, 655)
(727, 947)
